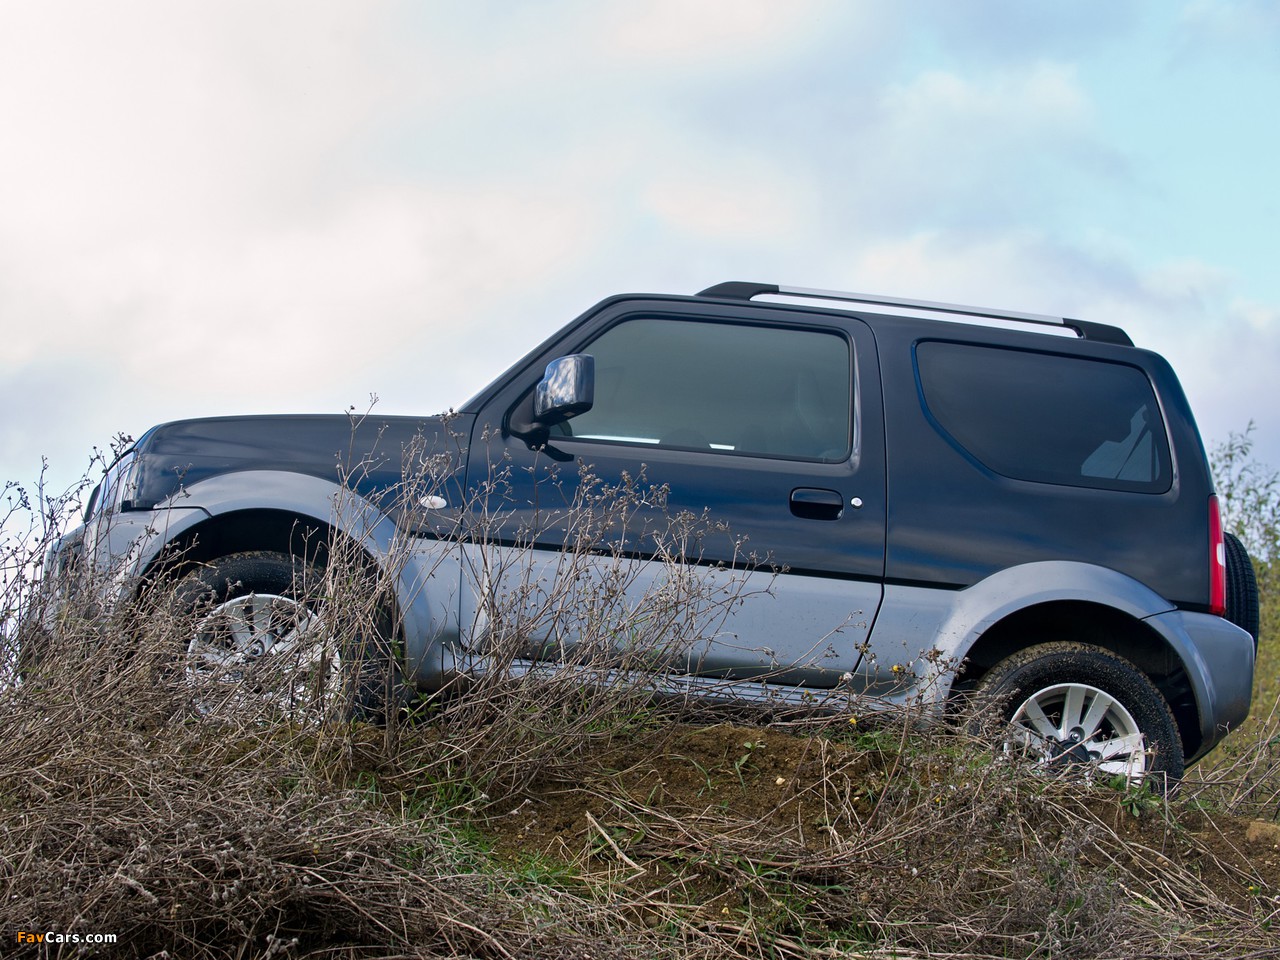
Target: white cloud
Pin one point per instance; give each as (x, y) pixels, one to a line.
(145, 143)
(263, 314)
(136, 117)
(978, 139)
(265, 206)
(1263, 318)
(731, 203)
(1042, 96)
(713, 30)
(193, 224)
(1232, 22)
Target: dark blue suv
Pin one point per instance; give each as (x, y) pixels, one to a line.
(895, 500)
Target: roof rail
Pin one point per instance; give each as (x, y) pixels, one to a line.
(739, 290)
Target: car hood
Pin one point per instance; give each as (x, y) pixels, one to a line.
(371, 455)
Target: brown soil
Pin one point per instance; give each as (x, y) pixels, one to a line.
(725, 770)
(697, 786)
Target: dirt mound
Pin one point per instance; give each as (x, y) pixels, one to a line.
(870, 834)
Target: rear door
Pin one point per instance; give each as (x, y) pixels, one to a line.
(719, 510)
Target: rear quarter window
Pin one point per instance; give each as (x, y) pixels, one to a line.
(1047, 418)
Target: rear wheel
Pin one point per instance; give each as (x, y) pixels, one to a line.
(1078, 707)
(1242, 587)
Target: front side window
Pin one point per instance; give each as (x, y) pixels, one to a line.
(1047, 417)
(726, 387)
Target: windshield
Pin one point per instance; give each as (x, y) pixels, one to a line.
(107, 494)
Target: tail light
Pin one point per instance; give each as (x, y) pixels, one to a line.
(1217, 561)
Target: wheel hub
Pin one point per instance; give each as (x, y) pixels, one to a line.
(1077, 724)
(1074, 749)
(264, 648)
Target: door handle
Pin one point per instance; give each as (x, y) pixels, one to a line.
(814, 503)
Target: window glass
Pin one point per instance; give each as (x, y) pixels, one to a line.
(724, 387)
(1046, 417)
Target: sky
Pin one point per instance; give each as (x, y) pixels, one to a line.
(259, 206)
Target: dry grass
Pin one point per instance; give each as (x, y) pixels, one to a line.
(549, 824)
(538, 817)
(126, 810)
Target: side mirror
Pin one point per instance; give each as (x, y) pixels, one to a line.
(567, 388)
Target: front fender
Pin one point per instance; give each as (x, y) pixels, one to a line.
(424, 571)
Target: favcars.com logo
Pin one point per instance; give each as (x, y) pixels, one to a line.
(74, 938)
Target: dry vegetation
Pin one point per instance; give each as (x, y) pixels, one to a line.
(537, 817)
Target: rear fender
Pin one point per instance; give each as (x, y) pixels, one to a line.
(955, 620)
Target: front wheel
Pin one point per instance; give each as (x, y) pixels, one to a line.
(259, 638)
(1076, 706)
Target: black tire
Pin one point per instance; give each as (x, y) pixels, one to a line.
(1242, 588)
(1064, 681)
(258, 632)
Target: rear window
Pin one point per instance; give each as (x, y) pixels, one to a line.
(1047, 418)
